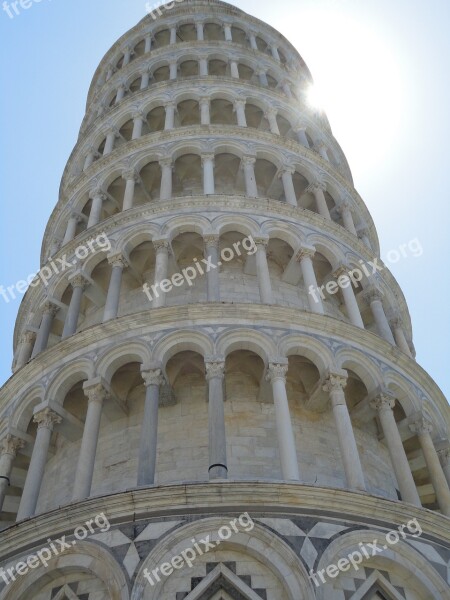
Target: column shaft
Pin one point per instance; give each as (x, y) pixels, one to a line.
(435, 471)
(166, 181)
(161, 271)
(86, 459)
(148, 445)
(397, 453)
(128, 197)
(70, 229)
(262, 269)
(71, 322)
(44, 330)
(212, 276)
(381, 321)
(113, 298)
(309, 279)
(216, 416)
(45, 419)
(96, 210)
(10, 446)
(250, 179)
(205, 117)
(208, 174)
(289, 189)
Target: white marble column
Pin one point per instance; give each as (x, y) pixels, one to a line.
(138, 124)
(27, 341)
(239, 108)
(98, 197)
(234, 69)
(205, 116)
(262, 269)
(271, 116)
(334, 385)
(161, 270)
(287, 88)
(363, 234)
(48, 315)
(399, 335)
(148, 444)
(118, 264)
(248, 164)
(170, 115)
(166, 179)
(46, 420)
(78, 284)
(304, 257)
(262, 76)
(110, 72)
(373, 297)
(110, 141)
(96, 394)
(322, 150)
(301, 135)
(148, 43)
(275, 53)
(173, 69)
(288, 185)
(120, 93)
(71, 228)
(200, 32)
(216, 417)
(347, 218)
(90, 157)
(9, 446)
(131, 178)
(422, 428)
(318, 188)
(212, 276)
(276, 375)
(145, 78)
(126, 56)
(173, 35)
(350, 302)
(252, 39)
(444, 457)
(384, 404)
(208, 174)
(228, 33)
(203, 65)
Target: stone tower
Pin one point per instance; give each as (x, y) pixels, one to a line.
(215, 395)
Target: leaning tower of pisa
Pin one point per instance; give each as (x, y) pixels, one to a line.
(215, 395)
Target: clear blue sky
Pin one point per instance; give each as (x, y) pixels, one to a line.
(383, 68)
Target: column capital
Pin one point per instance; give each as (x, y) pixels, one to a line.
(421, 425)
(383, 401)
(277, 371)
(211, 240)
(444, 454)
(205, 100)
(160, 245)
(170, 104)
(335, 381)
(286, 169)
(316, 185)
(137, 114)
(47, 419)
(11, 445)
(117, 260)
(95, 391)
(78, 280)
(395, 320)
(79, 218)
(260, 241)
(166, 162)
(208, 157)
(241, 102)
(248, 160)
(152, 377)
(50, 308)
(372, 294)
(97, 192)
(341, 270)
(215, 367)
(130, 175)
(28, 337)
(144, 70)
(271, 112)
(305, 252)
